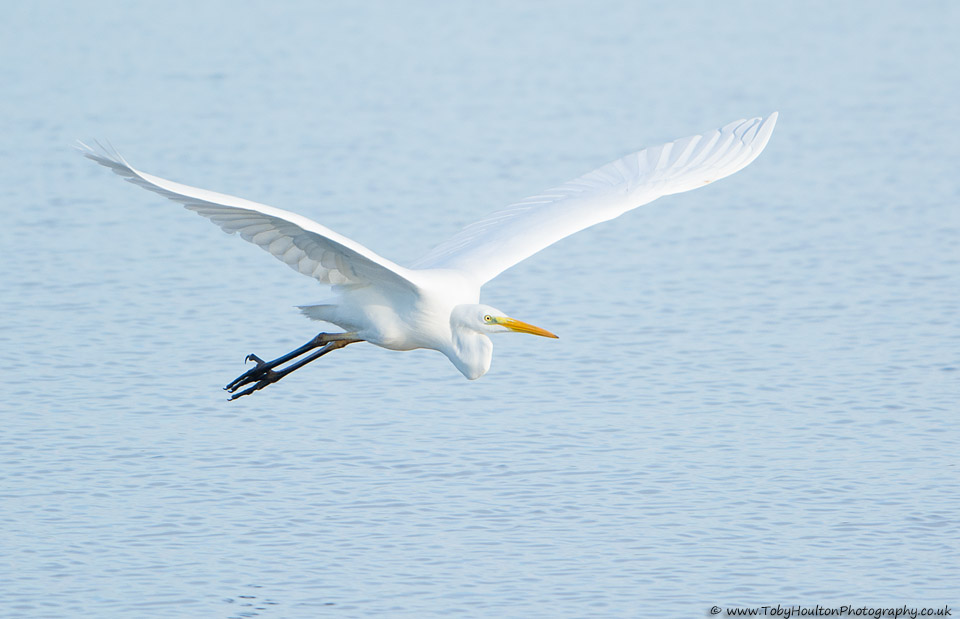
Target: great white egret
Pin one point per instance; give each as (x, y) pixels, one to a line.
(435, 302)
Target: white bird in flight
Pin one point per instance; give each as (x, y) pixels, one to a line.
(435, 302)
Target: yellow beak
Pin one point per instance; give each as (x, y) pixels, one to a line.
(522, 327)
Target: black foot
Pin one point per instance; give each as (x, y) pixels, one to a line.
(262, 375)
(269, 377)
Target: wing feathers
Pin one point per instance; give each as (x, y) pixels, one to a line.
(301, 243)
(485, 248)
(497, 242)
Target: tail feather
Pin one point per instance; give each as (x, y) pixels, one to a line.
(317, 312)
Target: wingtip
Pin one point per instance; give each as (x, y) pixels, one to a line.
(84, 149)
(764, 123)
(106, 155)
(764, 131)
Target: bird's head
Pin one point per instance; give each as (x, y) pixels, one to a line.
(486, 319)
(471, 349)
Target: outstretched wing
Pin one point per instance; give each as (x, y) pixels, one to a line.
(504, 238)
(303, 244)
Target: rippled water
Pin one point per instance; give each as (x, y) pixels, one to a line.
(753, 400)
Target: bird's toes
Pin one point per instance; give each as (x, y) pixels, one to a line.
(269, 377)
(243, 393)
(251, 375)
(254, 358)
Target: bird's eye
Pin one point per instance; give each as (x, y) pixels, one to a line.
(488, 318)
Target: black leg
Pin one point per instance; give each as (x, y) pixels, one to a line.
(263, 366)
(264, 373)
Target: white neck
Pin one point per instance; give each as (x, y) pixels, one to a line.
(472, 353)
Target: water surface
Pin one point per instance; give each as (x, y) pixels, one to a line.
(753, 400)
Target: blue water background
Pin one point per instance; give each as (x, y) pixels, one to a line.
(754, 399)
